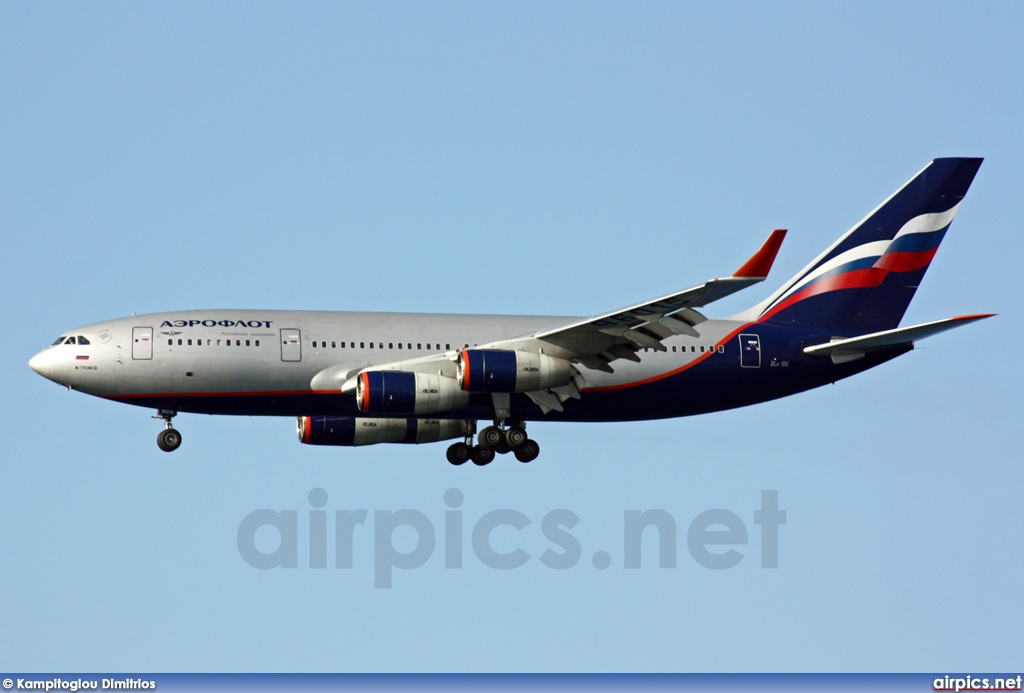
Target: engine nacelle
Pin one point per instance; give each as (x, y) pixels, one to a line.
(496, 370)
(399, 392)
(357, 430)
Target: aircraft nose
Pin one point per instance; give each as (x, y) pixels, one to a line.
(41, 364)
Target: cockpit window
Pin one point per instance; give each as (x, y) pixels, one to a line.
(59, 340)
(70, 340)
(82, 340)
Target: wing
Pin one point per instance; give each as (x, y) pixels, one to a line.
(597, 341)
(594, 342)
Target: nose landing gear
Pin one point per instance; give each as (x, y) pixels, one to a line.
(169, 438)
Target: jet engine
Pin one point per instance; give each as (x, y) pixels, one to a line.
(354, 431)
(399, 392)
(497, 370)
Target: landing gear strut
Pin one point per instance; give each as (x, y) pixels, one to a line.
(169, 438)
(492, 440)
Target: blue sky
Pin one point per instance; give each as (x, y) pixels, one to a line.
(506, 158)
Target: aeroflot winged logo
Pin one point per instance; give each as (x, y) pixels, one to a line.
(216, 323)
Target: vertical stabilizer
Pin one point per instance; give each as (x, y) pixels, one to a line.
(865, 281)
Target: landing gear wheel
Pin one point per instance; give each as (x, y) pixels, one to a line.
(514, 437)
(168, 440)
(502, 448)
(528, 451)
(482, 456)
(459, 453)
(490, 437)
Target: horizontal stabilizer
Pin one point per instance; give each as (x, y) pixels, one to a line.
(843, 350)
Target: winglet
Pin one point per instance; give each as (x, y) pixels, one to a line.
(761, 262)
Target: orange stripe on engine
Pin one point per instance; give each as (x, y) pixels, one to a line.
(464, 383)
(364, 402)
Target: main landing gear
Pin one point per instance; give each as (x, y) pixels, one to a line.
(495, 440)
(169, 438)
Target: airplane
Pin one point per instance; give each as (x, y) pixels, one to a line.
(355, 379)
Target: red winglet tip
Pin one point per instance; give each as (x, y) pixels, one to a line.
(761, 263)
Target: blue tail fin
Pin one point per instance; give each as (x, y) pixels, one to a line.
(865, 281)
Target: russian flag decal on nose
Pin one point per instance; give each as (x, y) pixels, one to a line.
(80, 357)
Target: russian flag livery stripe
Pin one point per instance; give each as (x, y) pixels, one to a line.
(865, 281)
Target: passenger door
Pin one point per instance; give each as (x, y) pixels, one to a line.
(142, 343)
(750, 351)
(291, 344)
